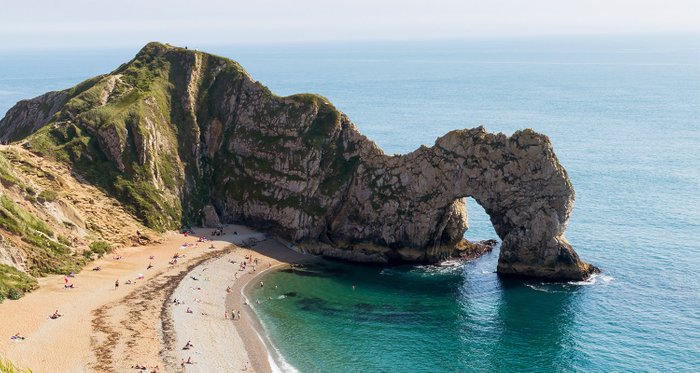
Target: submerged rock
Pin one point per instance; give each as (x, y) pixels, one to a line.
(176, 131)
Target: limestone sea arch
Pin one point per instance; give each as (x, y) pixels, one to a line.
(175, 131)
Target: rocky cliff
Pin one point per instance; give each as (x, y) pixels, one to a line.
(175, 134)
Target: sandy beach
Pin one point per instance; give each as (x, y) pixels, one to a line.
(108, 329)
(211, 291)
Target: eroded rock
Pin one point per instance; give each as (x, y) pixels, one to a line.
(199, 132)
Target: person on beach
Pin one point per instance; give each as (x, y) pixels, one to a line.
(261, 284)
(116, 284)
(189, 310)
(150, 265)
(55, 315)
(17, 337)
(238, 314)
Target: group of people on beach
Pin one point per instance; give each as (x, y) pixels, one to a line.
(143, 368)
(235, 314)
(66, 281)
(219, 231)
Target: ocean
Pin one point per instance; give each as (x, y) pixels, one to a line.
(624, 117)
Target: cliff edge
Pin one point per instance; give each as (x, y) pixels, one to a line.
(176, 134)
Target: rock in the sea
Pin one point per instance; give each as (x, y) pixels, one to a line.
(174, 131)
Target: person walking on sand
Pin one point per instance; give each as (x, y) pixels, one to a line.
(116, 284)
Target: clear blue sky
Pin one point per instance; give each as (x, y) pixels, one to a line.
(71, 23)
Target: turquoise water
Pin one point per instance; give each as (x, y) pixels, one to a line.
(624, 117)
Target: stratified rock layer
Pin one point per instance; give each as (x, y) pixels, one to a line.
(176, 132)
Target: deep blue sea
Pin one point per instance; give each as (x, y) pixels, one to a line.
(624, 118)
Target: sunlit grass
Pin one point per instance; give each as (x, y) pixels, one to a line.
(7, 366)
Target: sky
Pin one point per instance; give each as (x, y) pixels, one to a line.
(37, 24)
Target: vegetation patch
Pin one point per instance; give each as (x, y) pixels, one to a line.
(7, 177)
(44, 254)
(19, 221)
(7, 366)
(47, 196)
(14, 283)
(100, 248)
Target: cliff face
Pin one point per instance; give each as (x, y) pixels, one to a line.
(175, 132)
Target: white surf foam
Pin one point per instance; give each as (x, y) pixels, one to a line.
(595, 278)
(541, 288)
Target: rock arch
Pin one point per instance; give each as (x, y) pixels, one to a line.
(205, 133)
(411, 207)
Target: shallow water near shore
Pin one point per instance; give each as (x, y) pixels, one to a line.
(624, 118)
(420, 318)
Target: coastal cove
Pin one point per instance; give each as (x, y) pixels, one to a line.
(622, 115)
